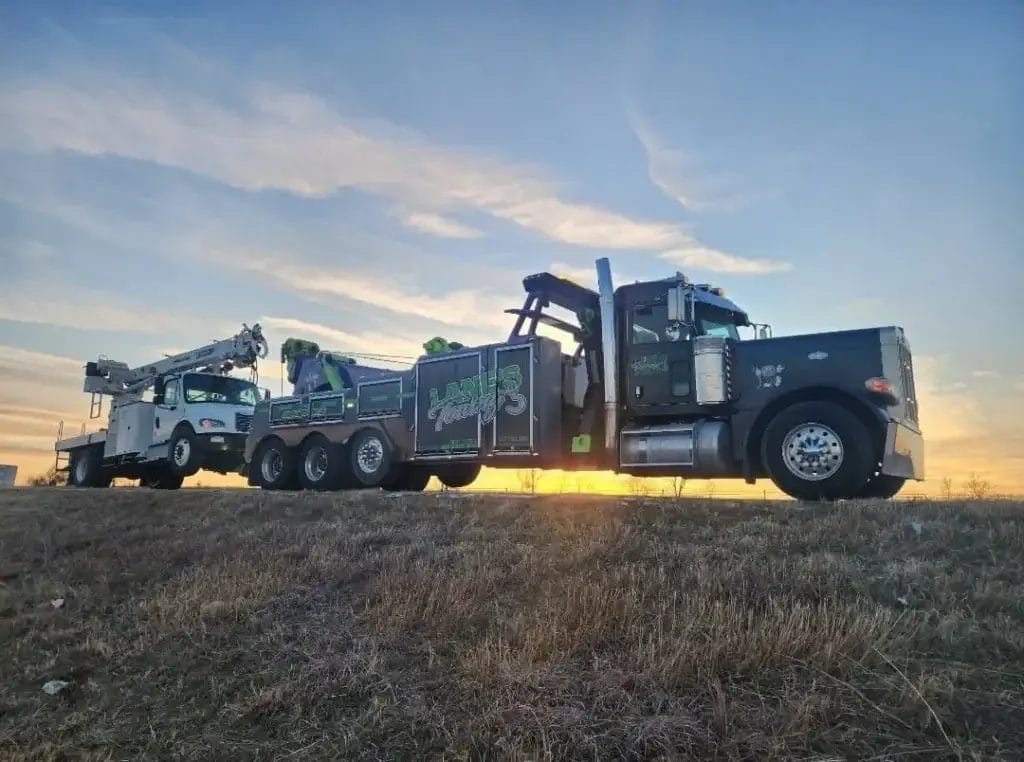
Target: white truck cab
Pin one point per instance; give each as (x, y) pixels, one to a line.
(200, 420)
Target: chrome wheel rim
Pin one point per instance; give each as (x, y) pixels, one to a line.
(812, 451)
(182, 451)
(315, 464)
(370, 455)
(271, 466)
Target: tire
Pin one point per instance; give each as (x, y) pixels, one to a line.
(407, 478)
(818, 451)
(86, 469)
(273, 466)
(369, 457)
(321, 464)
(184, 454)
(882, 486)
(456, 475)
(162, 479)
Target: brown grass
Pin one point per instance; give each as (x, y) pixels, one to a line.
(243, 625)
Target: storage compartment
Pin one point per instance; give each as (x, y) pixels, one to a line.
(134, 431)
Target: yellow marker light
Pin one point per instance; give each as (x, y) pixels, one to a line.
(881, 385)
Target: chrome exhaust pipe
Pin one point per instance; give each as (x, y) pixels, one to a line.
(606, 300)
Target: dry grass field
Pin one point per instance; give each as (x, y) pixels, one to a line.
(243, 625)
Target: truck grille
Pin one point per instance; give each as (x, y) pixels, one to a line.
(907, 382)
(242, 422)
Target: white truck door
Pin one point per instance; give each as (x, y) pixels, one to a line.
(168, 411)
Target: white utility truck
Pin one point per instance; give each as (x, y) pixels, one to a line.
(196, 418)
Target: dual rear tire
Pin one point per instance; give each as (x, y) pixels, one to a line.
(86, 468)
(365, 460)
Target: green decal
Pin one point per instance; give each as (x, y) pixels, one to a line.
(581, 444)
(650, 365)
(482, 394)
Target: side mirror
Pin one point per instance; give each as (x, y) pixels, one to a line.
(159, 387)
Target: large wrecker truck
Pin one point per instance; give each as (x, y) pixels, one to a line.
(167, 419)
(657, 382)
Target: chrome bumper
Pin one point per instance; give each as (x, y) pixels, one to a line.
(904, 452)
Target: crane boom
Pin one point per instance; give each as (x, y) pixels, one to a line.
(239, 351)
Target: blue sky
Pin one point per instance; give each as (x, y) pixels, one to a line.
(371, 175)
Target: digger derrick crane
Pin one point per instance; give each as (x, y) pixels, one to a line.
(197, 418)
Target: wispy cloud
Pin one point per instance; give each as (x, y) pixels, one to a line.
(702, 258)
(295, 142)
(458, 308)
(437, 225)
(684, 176)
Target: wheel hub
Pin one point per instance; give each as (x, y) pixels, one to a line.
(370, 456)
(316, 464)
(812, 451)
(182, 451)
(271, 466)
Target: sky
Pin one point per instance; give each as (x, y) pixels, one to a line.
(369, 175)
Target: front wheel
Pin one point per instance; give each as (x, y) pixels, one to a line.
(882, 486)
(817, 451)
(183, 452)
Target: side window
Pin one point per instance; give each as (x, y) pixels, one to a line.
(171, 392)
(648, 324)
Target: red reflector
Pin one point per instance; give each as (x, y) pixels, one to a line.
(881, 386)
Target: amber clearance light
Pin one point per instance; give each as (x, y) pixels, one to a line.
(880, 385)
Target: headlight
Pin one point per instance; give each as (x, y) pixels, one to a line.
(211, 423)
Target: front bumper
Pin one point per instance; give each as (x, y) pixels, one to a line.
(223, 452)
(904, 452)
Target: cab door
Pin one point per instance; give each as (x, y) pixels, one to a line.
(658, 361)
(167, 410)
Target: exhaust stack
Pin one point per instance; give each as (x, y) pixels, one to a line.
(606, 299)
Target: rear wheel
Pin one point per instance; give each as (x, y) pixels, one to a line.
(273, 466)
(882, 486)
(817, 451)
(321, 464)
(86, 468)
(369, 457)
(457, 475)
(162, 479)
(407, 478)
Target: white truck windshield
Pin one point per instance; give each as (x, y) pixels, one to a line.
(231, 391)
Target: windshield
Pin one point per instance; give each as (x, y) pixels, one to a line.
(231, 391)
(720, 328)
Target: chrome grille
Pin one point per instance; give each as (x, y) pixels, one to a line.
(907, 382)
(242, 422)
